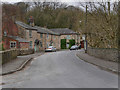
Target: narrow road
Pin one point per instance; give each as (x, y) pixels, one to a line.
(61, 69)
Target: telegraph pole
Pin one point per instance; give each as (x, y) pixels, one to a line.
(118, 37)
(85, 43)
(118, 32)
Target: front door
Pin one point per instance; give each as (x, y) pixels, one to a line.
(36, 48)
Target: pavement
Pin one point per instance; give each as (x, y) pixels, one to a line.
(103, 64)
(17, 64)
(62, 69)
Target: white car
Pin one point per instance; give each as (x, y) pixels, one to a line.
(74, 47)
(50, 49)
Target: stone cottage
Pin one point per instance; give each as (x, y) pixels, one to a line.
(39, 38)
(67, 34)
(10, 37)
(48, 38)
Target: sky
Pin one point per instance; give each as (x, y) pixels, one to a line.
(70, 2)
(67, 1)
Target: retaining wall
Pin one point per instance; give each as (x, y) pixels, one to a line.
(105, 53)
(8, 55)
(26, 51)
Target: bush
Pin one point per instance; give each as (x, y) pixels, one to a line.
(63, 43)
(71, 43)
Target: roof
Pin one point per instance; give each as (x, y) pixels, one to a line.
(38, 29)
(63, 31)
(45, 30)
(19, 39)
(26, 26)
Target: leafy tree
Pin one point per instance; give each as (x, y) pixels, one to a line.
(63, 43)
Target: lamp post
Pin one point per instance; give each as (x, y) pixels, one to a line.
(85, 33)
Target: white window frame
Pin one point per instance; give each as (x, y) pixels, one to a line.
(68, 37)
(41, 45)
(54, 37)
(41, 35)
(30, 33)
(47, 36)
(5, 33)
(30, 44)
(12, 42)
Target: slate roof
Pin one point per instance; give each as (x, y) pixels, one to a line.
(57, 31)
(26, 26)
(45, 30)
(63, 31)
(18, 39)
(38, 29)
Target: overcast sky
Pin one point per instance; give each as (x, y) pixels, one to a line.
(70, 2)
(67, 1)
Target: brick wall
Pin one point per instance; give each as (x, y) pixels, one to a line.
(24, 45)
(6, 42)
(21, 32)
(26, 51)
(104, 53)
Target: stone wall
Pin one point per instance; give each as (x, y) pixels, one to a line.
(56, 41)
(104, 53)
(26, 51)
(24, 45)
(8, 55)
(76, 37)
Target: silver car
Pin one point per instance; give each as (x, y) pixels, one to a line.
(74, 47)
(50, 49)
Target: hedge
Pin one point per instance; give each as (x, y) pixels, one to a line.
(63, 43)
(71, 42)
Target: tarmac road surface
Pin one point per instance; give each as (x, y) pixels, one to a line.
(61, 69)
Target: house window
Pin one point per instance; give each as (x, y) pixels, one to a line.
(41, 44)
(5, 33)
(12, 44)
(30, 44)
(47, 36)
(68, 36)
(54, 36)
(41, 35)
(47, 45)
(30, 33)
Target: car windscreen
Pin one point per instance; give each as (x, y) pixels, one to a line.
(50, 47)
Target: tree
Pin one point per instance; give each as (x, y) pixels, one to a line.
(101, 25)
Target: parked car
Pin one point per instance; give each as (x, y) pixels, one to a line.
(74, 47)
(50, 49)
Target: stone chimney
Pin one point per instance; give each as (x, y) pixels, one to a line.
(31, 21)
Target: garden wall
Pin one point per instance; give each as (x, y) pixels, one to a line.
(26, 51)
(8, 55)
(105, 53)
